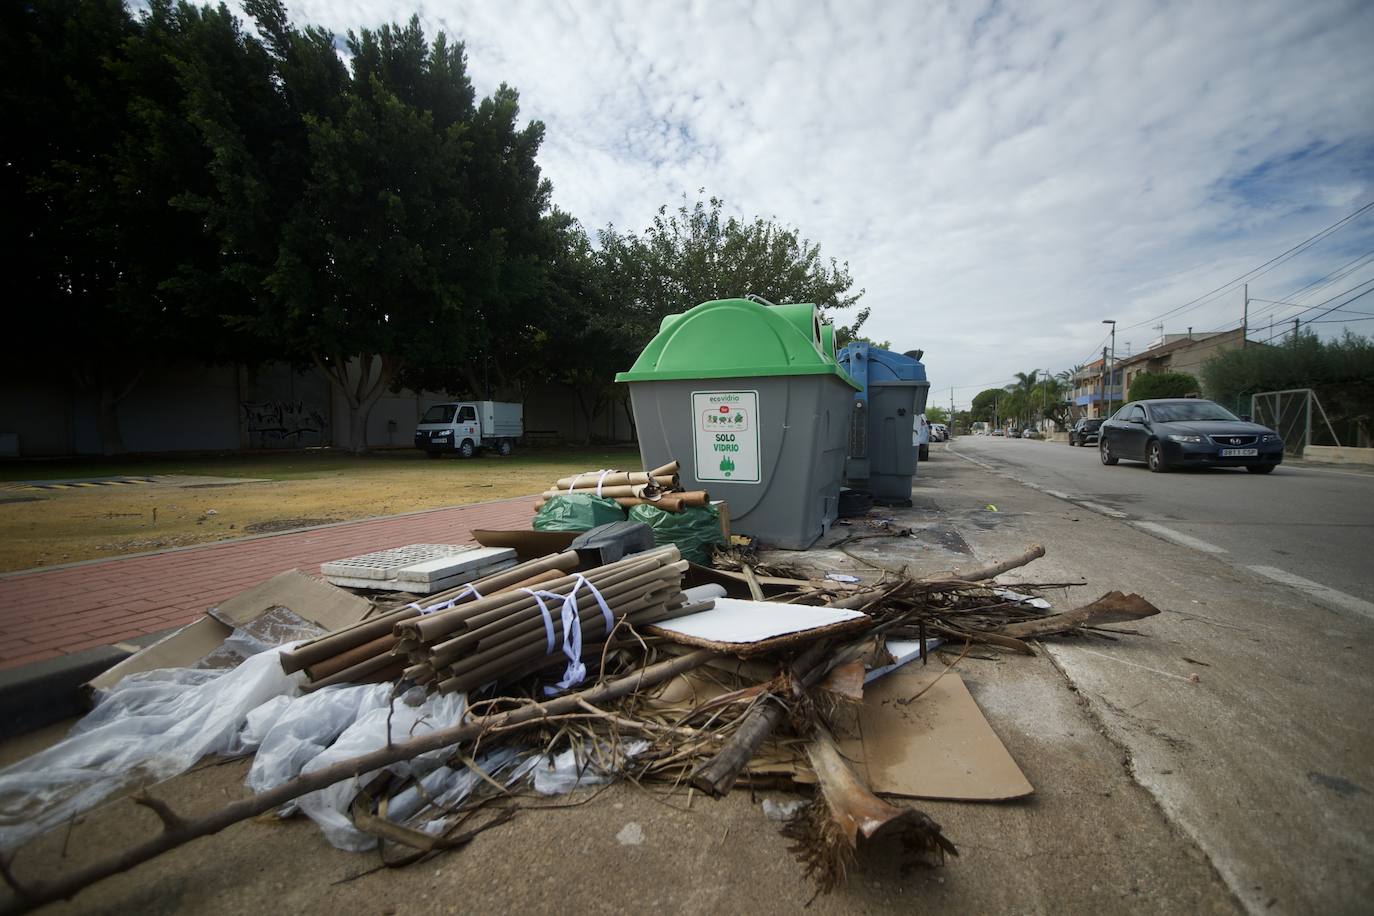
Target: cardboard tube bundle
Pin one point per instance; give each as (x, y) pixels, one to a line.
(507, 636)
(660, 487)
(363, 652)
(665, 477)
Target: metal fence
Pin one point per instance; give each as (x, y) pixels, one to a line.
(1293, 414)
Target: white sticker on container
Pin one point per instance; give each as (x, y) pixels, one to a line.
(725, 435)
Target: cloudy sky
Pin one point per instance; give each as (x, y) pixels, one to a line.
(1001, 177)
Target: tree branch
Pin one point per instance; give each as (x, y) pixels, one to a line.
(170, 819)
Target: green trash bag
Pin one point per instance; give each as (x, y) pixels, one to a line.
(577, 512)
(693, 530)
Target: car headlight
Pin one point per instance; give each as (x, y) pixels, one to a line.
(1178, 438)
(1269, 437)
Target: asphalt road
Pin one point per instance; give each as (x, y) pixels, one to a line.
(1309, 528)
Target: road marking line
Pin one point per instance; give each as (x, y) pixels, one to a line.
(1097, 507)
(1317, 590)
(1122, 661)
(1179, 537)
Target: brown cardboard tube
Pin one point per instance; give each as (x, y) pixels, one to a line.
(358, 672)
(317, 650)
(335, 664)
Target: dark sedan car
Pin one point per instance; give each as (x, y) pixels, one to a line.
(1188, 432)
(1084, 431)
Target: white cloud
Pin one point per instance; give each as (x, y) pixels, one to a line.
(1000, 178)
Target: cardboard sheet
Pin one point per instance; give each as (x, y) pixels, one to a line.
(938, 746)
(749, 627)
(257, 610)
(528, 545)
(316, 601)
(182, 648)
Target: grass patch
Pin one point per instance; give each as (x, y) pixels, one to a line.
(64, 526)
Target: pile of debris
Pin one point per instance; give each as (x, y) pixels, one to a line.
(570, 666)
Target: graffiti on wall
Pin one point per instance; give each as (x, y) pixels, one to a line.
(284, 424)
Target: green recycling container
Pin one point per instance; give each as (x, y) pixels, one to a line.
(750, 400)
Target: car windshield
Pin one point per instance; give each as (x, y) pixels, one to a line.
(1092, 424)
(1190, 410)
(439, 413)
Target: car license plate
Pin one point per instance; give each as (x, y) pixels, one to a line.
(1239, 452)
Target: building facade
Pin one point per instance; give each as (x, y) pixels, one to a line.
(1180, 353)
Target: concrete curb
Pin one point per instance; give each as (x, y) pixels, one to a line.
(43, 692)
(49, 691)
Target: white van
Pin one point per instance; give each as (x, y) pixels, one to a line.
(463, 427)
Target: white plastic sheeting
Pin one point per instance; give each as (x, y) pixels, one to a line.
(149, 727)
(560, 773)
(329, 807)
(154, 725)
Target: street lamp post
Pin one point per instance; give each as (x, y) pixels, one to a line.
(1111, 366)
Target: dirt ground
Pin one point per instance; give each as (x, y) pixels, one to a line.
(198, 500)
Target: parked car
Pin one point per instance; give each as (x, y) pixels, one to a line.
(999, 432)
(1030, 433)
(1171, 433)
(939, 432)
(920, 437)
(1085, 431)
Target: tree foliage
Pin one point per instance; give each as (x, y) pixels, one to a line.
(179, 186)
(627, 282)
(1341, 371)
(986, 405)
(103, 166)
(1163, 385)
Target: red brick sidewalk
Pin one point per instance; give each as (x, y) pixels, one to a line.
(61, 611)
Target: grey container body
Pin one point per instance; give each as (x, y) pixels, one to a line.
(803, 423)
(892, 410)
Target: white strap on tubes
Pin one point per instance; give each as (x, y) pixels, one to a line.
(603, 472)
(543, 609)
(445, 605)
(576, 672)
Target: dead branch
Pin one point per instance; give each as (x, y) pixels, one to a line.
(846, 813)
(62, 888)
(717, 776)
(170, 819)
(1113, 607)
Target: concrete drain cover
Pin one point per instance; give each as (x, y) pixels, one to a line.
(421, 568)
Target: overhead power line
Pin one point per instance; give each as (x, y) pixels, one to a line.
(1257, 271)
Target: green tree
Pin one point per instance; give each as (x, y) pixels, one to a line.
(106, 246)
(1163, 385)
(696, 253)
(988, 405)
(1341, 371)
(685, 257)
(937, 414)
(417, 237)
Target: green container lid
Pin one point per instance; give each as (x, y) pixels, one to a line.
(828, 340)
(733, 338)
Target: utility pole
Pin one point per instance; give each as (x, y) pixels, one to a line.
(1245, 317)
(951, 410)
(1102, 388)
(1295, 328)
(1111, 371)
